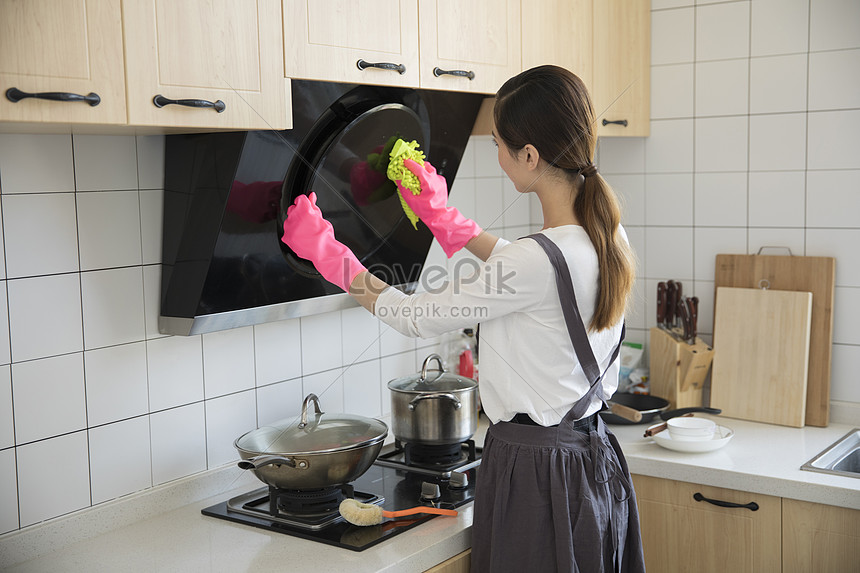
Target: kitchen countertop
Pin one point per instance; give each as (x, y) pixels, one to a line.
(760, 458)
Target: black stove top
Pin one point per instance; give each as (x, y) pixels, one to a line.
(388, 483)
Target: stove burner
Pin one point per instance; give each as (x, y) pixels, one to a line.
(433, 460)
(307, 502)
(442, 454)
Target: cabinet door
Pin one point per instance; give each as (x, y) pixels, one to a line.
(682, 534)
(819, 538)
(206, 50)
(558, 32)
(460, 563)
(326, 40)
(479, 38)
(74, 47)
(622, 66)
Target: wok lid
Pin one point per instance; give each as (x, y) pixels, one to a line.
(313, 433)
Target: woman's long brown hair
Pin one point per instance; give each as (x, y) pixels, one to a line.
(549, 107)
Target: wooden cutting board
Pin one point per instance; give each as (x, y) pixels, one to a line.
(761, 354)
(806, 274)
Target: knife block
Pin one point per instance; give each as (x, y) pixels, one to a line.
(678, 369)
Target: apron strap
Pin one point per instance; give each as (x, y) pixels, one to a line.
(576, 327)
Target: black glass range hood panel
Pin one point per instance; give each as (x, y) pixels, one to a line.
(226, 194)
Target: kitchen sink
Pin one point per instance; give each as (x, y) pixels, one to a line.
(842, 457)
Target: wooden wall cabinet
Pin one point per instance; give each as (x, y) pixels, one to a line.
(470, 46)
(129, 51)
(73, 47)
(680, 534)
(326, 40)
(622, 67)
(607, 43)
(479, 41)
(210, 50)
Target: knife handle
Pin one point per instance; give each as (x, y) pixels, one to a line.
(670, 304)
(693, 307)
(661, 302)
(678, 301)
(685, 319)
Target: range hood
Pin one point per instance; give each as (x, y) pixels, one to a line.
(224, 265)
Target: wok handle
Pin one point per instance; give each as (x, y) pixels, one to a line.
(435, 396)
(625, 412)
(682, 411)
(257, 462)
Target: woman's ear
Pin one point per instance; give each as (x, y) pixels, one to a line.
(531, 156)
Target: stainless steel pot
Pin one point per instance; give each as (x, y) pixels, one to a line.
(315, 452)
(434, 407)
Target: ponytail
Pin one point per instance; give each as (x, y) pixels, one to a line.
(596, 207)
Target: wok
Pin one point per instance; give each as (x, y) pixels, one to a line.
(650, 407)
(315, 452)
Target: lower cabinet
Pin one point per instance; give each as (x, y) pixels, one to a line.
(819, 538)
(688, 527)
(457, 564)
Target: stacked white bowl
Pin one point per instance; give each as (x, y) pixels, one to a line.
(688, 429)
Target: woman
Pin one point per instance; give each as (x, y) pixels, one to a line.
(553, 491)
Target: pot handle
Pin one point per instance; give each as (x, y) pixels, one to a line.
(257, 462)
(434, 396)
(308, 399)
(426, 363)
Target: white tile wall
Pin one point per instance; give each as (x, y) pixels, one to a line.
(228, 361)
(48, 397)
(7, 426)
(771, 99)
(49, 247)
(112, 306)
(277, 351)
(178, 438)
(734, 163)
(8, 491)
(278, 401)
(116, 383)
(120, 459)
(39, 498)
(109, 229)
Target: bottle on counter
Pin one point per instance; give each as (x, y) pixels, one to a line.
(459, 351)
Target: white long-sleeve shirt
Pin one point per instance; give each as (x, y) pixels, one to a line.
(528, 364)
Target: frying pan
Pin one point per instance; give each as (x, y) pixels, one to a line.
(650, 407)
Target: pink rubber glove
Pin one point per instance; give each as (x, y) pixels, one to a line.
(311, 237)
(447, 224)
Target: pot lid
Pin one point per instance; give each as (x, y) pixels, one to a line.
(313, 433)
(432, 380)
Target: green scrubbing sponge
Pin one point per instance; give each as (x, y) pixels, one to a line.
(398, 172)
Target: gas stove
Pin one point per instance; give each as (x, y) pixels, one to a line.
(402, 477)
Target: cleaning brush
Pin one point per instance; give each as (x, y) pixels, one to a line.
(398, 172)
(358, 513)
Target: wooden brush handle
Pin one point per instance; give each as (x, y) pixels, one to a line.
(420, 509)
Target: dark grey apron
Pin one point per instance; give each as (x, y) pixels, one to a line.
(557, 499)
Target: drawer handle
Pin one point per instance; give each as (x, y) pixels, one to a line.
(752, 506)
(437, 71)
(363, 65)
(161, 101)
(15, 95)
(622, 122)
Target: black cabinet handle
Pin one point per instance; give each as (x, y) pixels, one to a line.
(161, 101)
(437, 71)
(752, 506)
(15, 95)
(622, 122)
(363, 65)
